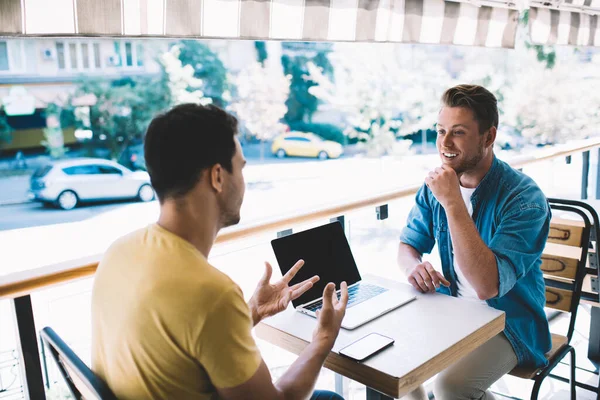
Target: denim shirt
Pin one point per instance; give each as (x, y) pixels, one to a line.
(512, 216)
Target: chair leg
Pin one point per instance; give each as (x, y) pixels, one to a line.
(572, 379)
(536, 388)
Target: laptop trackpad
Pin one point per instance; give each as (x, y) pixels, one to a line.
(373, 308)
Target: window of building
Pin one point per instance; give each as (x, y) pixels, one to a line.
(4, 65)
(60, 55)
(73, 55)
(140, 55)
(78, 56)
(128, 55)
(85, 55)
(97, 63)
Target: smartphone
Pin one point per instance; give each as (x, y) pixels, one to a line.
(366, 346)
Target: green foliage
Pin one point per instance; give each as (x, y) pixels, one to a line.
(123, 110)
(5, 129)
(417, 137)
(208, 67)
(261, 51)
(300, 103)
(54, 140)
(326, 131)
(544, 54)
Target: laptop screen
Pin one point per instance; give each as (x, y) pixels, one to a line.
(325, 252)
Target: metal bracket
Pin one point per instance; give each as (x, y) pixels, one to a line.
(593, 260)
(382, 212)
(285, 232)
(595, 284)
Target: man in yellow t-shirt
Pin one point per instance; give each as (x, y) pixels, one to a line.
(168, 325)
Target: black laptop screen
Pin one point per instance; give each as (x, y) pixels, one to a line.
(325, 252)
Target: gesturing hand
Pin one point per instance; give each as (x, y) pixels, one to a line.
(269, 299)
(330, 316)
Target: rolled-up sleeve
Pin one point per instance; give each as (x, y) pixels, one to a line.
(518, 244)
(418, 232)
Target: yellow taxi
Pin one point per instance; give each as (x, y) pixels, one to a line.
(302, 144)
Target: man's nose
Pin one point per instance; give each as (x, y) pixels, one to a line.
(447, 141)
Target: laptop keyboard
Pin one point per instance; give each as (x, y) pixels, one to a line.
(356, 295)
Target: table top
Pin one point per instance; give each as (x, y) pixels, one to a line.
(431, 333)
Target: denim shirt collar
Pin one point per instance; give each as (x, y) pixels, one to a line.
(487, 183)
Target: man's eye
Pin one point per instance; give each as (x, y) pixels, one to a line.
(441, 132)
(458, 132)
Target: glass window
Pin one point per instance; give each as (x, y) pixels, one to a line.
(139, 53)
(60, 55)
(42, 171)
(85, 55)
(97, 55)
(117, 62)
(297, 139)
(105, 169)
(73, 55)
(82, 170)
(128, 54)
(3, 56)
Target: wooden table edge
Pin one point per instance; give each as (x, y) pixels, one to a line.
(390, 386)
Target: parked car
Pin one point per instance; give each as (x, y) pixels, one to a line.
(69, 182)
(304, 144)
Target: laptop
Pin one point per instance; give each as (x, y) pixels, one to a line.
(326, 252)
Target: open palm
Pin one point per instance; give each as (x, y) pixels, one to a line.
(269, 299)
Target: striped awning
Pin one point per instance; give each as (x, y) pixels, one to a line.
(411, 21)
(561, 26)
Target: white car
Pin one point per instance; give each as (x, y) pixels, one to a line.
(69, 182)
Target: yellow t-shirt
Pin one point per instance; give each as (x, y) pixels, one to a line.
(165, 323)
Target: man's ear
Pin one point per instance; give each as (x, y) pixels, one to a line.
(216, 177)
(490, 137)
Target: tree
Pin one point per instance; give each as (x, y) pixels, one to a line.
(380, 95)
(261, 51)
(555, 105)
(54, 141)
(301, 103)
(260, 101)
(121, 110)
(5, 129)
(209, 68)
(544, 54)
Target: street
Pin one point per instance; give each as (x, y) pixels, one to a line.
(36, 214)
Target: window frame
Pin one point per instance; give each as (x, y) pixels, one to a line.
(121, 45)
(9, 56)
(91, 55)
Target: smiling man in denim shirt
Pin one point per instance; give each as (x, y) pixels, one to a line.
(490, 223)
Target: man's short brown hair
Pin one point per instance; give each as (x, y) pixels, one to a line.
(477, 99)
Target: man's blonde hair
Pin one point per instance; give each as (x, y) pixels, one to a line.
(477, 99)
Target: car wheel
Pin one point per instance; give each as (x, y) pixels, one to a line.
(67, 200)
(323, 155)
(146, 193)
(280, 153)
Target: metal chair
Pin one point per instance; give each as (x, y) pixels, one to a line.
(81, 380)
(564, 268)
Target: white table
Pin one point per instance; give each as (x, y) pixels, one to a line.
(430, 333)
